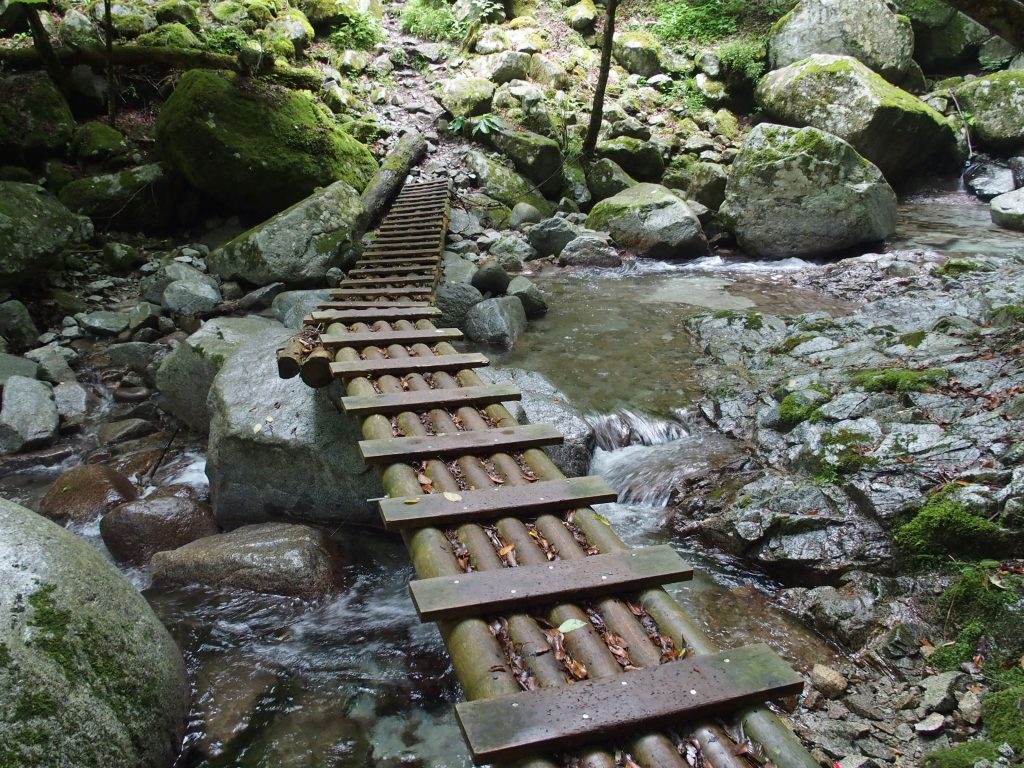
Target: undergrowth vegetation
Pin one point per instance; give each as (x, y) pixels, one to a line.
(431, 19)
(359, 33)
(705, 21)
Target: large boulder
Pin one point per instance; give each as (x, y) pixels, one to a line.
(866, 30)
(34, 228)
(89, 676)
(290, 308)
(944, 38)
(503, 184)
(1008, 210)
(299, 245)
(34, 117)
(890, 127)
(639, 53)
(650, 221)
(500, 321)
(326, 12)
(996, 104)
(537, 157)
(606, 178)
(279, 450)
(803, 192)
(279, 558)
(642, 159)
(186, 375)
(252, 150)
(138, 199)
(466, 96)
(28, 417)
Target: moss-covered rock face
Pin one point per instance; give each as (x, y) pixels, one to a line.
(996, 102)
(606, 178)
(650, 221)
(641, 159)
(949, 44)
(173, 35)
(537, 157)
(639, 53)
(466, 96)
(327, 12)
(129, 19)
(34, 228)
(1003, 715)
(138, 199)
(178, 11)
(503, 184)
(866, 30)
(98, 141)
(255, 150)
(804, 193)
(890, 127)
(293, 26)
(88, 675)
(962, 755)
(34, 116)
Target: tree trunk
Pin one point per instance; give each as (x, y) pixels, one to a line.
(43, 49)
(387, 182)
(1004, 17)
(108, 38)
(597, 111)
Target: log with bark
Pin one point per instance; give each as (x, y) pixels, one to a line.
(387, 182)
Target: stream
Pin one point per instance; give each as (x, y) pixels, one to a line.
(357, 680)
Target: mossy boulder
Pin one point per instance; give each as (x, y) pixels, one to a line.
(255, 148)
(606, 178)
(98, 141)
(138, 199)
(293, 26)
(128, 19)
(88, 674)
(582, 16)
(34, 228)
(180, 12)
(34, 117)
(962, 755)
(951, 44)
(466, 96)
(804, 192)
(926, 14)
(649, 220)
(329, 12)
(537, 157)
(866, 30)
(172, 35)
(996, 103)
(1003, 715)
(640, 159)
(639, 53)
(701, 181)
(299, 245)
(503, 184)
(890, 127)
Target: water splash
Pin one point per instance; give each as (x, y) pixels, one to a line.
(625, 428)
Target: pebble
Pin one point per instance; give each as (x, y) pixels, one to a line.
(931, 725)
(830, 682)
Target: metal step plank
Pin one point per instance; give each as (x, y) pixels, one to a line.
(423, 400)
(481, 442)
(402, 365)
(524, 501)
(592, 712)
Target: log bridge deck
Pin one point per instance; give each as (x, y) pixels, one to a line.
(568, 650)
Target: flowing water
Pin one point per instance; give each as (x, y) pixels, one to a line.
(356, 680)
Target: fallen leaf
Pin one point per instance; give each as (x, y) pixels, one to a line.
(506, 549)
(423, 479)
(452, 496)
(571, 625)
(256, 428)
(411, 501)
(270, 419)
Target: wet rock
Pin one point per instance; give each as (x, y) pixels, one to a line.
(503, 184)
(279, 558)
(466, 96)
(136, 356)
(500, 321)
(103, 322)
(650, 221)
(830, 682)
(252, 462)
(524, 213)
(491, 278)
(72, 401)
(529, 294)
(16, 324)
(510, 251)
(550, 236)
(299, 245)
(89, 668)
(166, 519)
(457, 269)
(28, 416)
(544, 403)
(937, 695)
(867, 31)
(152, 286)
(455, 300)
(186, 374)
(832, 199)
(589, 251)
(987, 179)
(114, 432)
(1008, 210)
(83, 493)
(888, 126)
(290, 307)
(53, 364)
(190, 298)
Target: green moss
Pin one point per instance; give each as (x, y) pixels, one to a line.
(431, 19)
(960, 267)
(173, 35)
(1008, 314)
(962, 755)
(34, 704)
(179, 11)
(913, 339)
(34, 116)
(229, 40)
(752, 321)
(899, 380)
(794, 409)
(5, 656)
(950, 657)
(53, 627)
(792, 343)
(945, 527)
(1003, 715)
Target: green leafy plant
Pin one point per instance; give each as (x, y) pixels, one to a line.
(228, 40)
(743, 61)
(359, 33)
(431, 19)
(476, 126)
(704, 21)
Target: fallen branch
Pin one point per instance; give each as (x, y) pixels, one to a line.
(387, 182)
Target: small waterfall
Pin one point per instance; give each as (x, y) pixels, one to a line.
(625, 428)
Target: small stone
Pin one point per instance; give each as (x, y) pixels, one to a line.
(190, 298)
(103, 323)
(864, 705)
(932, 725)
(131, 394)
(28, 417)
(72, 400)
(970, 708)
(830, 682)
(529, 294)
(938, 692)
(857, 761)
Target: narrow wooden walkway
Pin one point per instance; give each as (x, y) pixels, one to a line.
(567, 648)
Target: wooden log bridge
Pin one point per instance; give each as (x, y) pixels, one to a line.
(568, 649)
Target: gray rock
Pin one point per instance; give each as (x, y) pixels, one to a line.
(186, 374)
(106, 680)
(12, 365)
(298, 245)
(830, 682)
(134, 355)
(261, 298)
(606, 178)
(630, 127)
(466, 96)
(641, 159)
(544, 403)
(996, 104)
(504, 66)
(16, 324)
(252, 460)
(72, 401)
(152, 286)
(53, 366)
(937, 695)
(503, 184)
(113, 432)
(28, 418)
(550, 236)
(865, 30)
(1007, 210)
(639, 53)
(491, 278)
(135, 199)
(103, 323)
(548, 72)
(510, 252)
(529, 294)
(457, 269)
(987, 180)
(289, 308)
(190, 298)
(500, 321)
(524, 213)
(650, 221)
(278, 558)
(932, 725)
(589, 251)
(832, 199)
(455, 300)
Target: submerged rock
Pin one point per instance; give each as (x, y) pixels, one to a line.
(299, 245)
(83, 493)
(255, 152)
(166, 519)
(890, 127)
(650, 221)
(89, 674)
(805, 193)
(279, 558)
